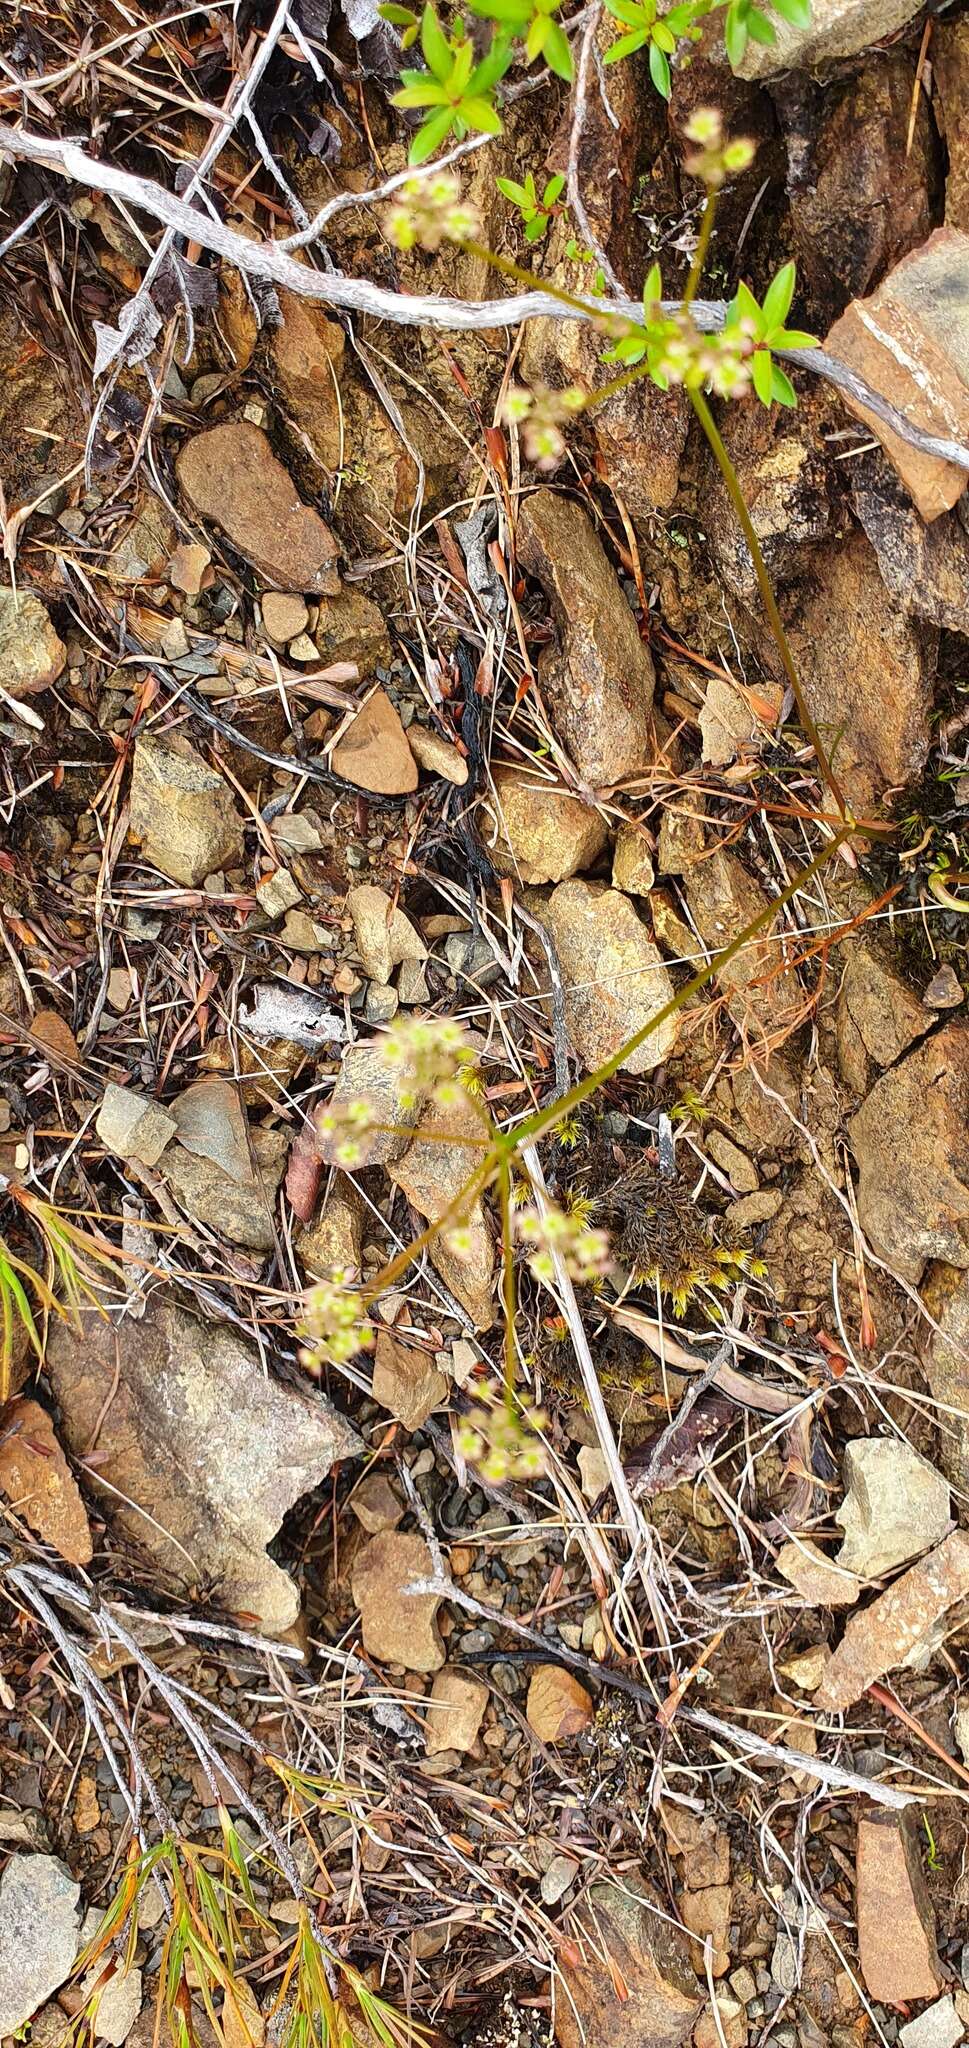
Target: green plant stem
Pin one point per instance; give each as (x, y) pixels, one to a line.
(729, 475)
(507, 1275)
(700, 252)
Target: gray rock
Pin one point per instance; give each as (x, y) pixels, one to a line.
(897, 1505)
(837, 28)
(132, 1126)
(32, 655)
(119, 2004)
(613, 974)
(240, 1210)
(39, 1920)
(939, 2026)
(182, 814)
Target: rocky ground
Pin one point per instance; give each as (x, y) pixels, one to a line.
(321, 708)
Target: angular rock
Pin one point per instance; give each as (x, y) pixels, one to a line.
(397, 1627)
(866, 670)
(375, 1504)
(243, 1211)
(704, 1847)
(632, 862)
(707, 1913)
(182, 815)
(733, 1162)
(911, 1142)
(352, 628)
(538, 832)
(612, 973)
(437, 756)
(32, 655)
(119, 2001)
(558, 1708)
(837, 28)
(211, 1123)
(367, 1077)
(333, 1241)
(132, 1126)
(598, 683)
(785, 478)
(730, 726)
(307, 350)
(925, 568)
(896, 1924)
(896, 1506)
(284, 615)
(950, 105)
(728, 2030)
(205, 1453)
(820, 1582)
(277, 892)
(862, 191)
(945, 990)
(382, 934)
(230, 476)
(723, 899)
(910, 342)
(406, 1383)
(39, 1919)
(650, 1996)
(455, 1712)
(877, 1015)
(432, 1173)
(938, 2027)
(902, 1628)
(37, 1480)
(373, 753)
(187, 567)
(945, 1291)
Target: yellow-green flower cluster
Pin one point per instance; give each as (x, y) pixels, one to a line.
(429, 211)
(583, 1252)
(503, 1444)
(428, 1053)
(541, 414)
(715, 159)
(334, 1323)
(341, 1128)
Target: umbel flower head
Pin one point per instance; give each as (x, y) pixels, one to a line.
(334, 1323)
(715, 160)
(430, 210)
(502, 1442)
(541, 414)
(432, 1058)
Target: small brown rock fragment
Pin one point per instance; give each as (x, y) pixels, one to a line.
(614, 977)
(437, 756)
(182, 815)
(375, 1504)
(879, 1005)
(945, 1291)
(229, 475)
(723, 899)
(307, 350)
(351, 628)
(38, 1482)
(187, 567)
(820, 1583)
(558, 1708)
(406, 1383)
(455, 1712)
(729, 2028)
(538, 832)
(707, 1913)
(950, 105)
(901, 1628)
(704, 1847)
(647, 1995)
(632, 862)
(896, 1924)
(911, 1141)
(367, 1078)
(432, 1173)
(733, 1162)
(373, 753)
(333, 1240)
(910, 342)
(284, 615)
(397, 1627)
(384, 936)
(87, 1812)
(599, 685)
(32, 654)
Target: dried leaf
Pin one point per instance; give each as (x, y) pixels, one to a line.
(558, 1707)
(303, 1173)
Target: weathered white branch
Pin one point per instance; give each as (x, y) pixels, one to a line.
(409, 309)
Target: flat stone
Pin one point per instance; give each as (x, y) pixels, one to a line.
(373, 752)
(380, 1003)
(558, 1707)
(230, 476)
(187, 568)
(945, 1290)
(333, 1241)
(119, 2002)
(723, 898)
(896, 1506)
(950, 105)
(632, 862)
(867, 670)
(37, 1479)
(352, 628)
(875, 1003)
(862, 178)
(412, 985)
(182, 815)
(837, 28)
(284, 615)
(707, 1913)
(382, 934)
(733, 1162)
(211, 1122)
(132, 1126)
(307, 351)
(696, 1838)
(407, 1383)
(598, 684)
(783, 471)
(537, 832)
(432, 1173)
(397, 1627)
(938, 2027)
(365, 1076)
(910, 341)
(203, 1451)
(945, 990)
(896, 1924)
(902, 1628)
(911, 1141)
(32, 654)
(277, 892)
(437, 756)
(613, 976)
(820, 1582)
(647, 1996)
(455, 1711)
(728, 2030)
(39, 1919)
(375, 1504)
(241, 1211)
